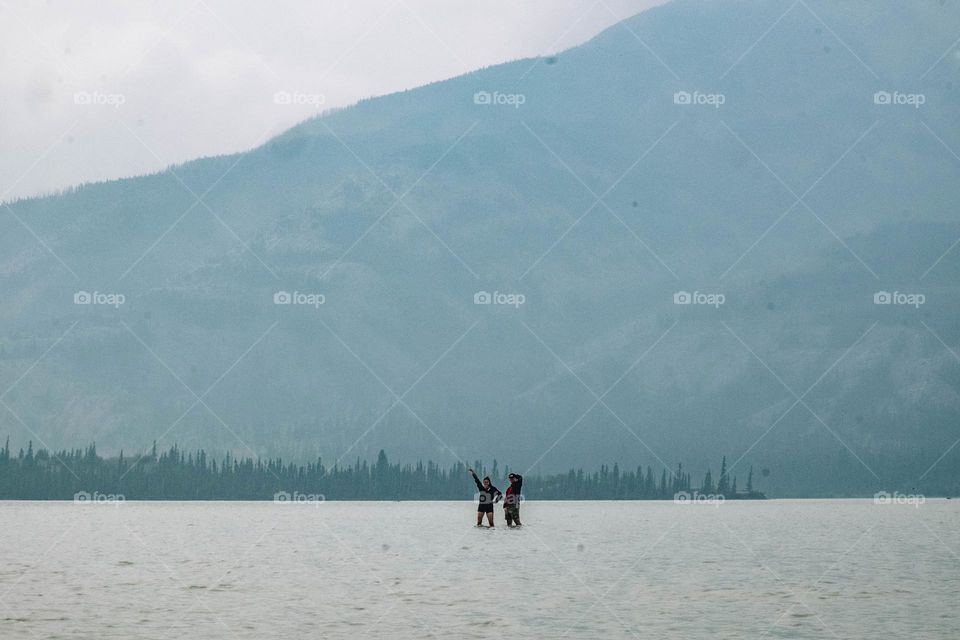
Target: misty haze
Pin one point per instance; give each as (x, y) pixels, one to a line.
(647, 276)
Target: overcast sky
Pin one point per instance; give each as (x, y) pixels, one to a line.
(100, 89)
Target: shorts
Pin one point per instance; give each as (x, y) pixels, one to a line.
(484, 508)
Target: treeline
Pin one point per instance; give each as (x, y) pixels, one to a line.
(178, 475)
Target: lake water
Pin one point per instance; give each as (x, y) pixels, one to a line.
(791, 569)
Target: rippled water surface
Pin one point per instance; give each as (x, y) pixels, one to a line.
(797, 569)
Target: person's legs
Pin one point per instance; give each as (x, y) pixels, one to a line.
(479, 518)
(490, 517)
(516, 517)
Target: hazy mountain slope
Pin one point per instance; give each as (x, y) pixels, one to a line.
(488, 192)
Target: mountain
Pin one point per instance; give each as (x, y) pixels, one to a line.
(794, 158)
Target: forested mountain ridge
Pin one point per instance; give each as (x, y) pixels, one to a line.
(598, 198)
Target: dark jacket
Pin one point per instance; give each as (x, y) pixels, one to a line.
(512, 497)
(487, 496)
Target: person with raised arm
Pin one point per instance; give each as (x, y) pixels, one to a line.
(489, 496)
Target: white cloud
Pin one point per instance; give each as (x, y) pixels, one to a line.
(197, 78)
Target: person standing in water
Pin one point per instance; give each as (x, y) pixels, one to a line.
(511, 502)
(489, 495)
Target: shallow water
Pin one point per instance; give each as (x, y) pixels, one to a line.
(797, 569)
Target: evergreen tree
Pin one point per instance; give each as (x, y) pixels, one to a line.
(723, 486)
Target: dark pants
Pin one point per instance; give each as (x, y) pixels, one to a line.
(512, 514)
